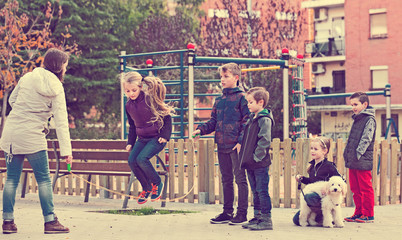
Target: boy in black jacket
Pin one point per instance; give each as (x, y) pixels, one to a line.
(254, 156)
(228, 118)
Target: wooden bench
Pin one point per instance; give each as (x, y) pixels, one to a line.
(91, 157)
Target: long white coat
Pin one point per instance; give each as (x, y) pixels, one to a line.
(37, 96)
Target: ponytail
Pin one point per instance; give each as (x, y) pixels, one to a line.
(157, 93)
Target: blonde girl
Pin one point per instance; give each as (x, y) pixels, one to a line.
(150, 128)
(320, 169)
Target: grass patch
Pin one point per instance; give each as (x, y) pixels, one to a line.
(146, 211)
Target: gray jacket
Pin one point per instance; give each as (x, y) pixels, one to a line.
(254, 152)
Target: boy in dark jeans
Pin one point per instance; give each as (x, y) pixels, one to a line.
(228, 117)
(254, 156)
(359, 156)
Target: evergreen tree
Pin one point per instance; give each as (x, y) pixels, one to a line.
(91, 79)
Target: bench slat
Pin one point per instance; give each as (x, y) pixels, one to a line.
(95, 155)
(93, 144)
(90, 155)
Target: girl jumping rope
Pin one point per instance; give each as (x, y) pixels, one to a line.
(150, 121)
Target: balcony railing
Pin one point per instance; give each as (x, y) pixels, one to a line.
(325, 101)
(332, 47)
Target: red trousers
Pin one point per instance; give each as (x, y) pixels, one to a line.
(363, 192)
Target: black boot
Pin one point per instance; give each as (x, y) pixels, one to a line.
(255, 220)
(265, 223)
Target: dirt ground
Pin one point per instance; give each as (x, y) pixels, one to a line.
(85, 224)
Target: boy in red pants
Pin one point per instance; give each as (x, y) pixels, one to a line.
(358, 157)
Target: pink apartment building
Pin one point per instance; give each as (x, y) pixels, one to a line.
(357, 47)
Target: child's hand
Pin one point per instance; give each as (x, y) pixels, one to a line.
(237, 147)
(128, 147)
(69, 159)
(162, 140)
(196, 134)
(298, 177)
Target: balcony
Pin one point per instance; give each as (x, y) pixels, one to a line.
(327, 51)
(322, 3)
(325, 101)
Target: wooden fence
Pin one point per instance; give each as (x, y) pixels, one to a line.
(194, 166)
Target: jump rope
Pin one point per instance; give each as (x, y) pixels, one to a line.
(119, 193)
(122, 194)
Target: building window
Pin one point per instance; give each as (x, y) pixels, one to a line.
(378, 23)
(379, 76)
(219, 13)
(254, 14)
(384, 125)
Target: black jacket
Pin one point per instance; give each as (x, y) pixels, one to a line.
(228, 117)
(322, 172)
(254, 152)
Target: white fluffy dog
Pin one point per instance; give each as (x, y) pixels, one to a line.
(332, 194)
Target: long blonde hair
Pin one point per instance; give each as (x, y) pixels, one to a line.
(155, 91)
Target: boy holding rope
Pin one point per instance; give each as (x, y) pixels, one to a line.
(228, 118)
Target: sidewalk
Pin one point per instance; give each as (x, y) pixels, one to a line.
(85, 224)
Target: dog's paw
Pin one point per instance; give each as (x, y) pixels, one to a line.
(339, 225)
(328, 226)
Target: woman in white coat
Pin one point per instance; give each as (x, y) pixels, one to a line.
(38, 96)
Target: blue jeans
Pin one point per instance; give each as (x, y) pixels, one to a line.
(313, 200)
(143, 150)
(40, 166)
(229, 165)
(259, 180)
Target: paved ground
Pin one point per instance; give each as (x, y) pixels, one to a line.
(86, 224)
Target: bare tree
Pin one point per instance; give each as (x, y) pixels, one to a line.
(274, 25)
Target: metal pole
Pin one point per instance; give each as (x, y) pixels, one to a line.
(122, 111)
(249, 31)
(249, 36)
(191, 62)
(285, 57)
(150, 65)
(387, 93)
(182, 129)
(343, 95)
(240, 60)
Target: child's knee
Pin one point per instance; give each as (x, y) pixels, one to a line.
(296, 218)
(141, 161)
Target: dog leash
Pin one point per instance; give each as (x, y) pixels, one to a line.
(299, 187)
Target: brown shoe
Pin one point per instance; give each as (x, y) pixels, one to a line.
(9, 227)
(55, 227)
